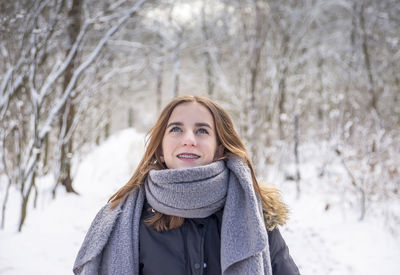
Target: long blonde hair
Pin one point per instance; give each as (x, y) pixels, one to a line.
(226, 136)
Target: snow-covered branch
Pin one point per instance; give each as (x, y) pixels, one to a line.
(47, 126)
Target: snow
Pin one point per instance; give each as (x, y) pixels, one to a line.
(329, 242)
(321, 241)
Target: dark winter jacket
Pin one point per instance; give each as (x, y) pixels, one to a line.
(194, 248)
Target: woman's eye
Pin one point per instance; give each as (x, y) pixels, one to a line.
(175, 129)
(202, 131)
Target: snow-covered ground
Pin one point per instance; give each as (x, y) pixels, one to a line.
(329, 242)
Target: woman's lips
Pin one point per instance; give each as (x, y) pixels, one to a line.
(188, 156)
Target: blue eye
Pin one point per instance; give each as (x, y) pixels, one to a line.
(202, 131)
(175, 129)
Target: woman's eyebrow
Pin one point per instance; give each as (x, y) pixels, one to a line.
(203, 124)
(175, 124)
(197, 124)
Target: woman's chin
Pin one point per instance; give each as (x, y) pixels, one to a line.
(189, 163)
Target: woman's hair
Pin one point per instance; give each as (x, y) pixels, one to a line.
(226, 136)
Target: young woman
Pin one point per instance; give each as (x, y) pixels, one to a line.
(193, 205)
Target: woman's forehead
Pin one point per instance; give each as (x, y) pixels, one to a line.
(191, 112)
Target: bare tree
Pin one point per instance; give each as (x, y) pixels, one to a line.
(73, 28)
(45, 98)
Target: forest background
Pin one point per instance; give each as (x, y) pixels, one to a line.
(293, 74)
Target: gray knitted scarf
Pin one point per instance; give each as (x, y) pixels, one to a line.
(112, 243)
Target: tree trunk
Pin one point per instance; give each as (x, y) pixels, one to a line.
(282, 86)
(3, 208)
(46, 153)
(296, 154)
(176, 64)
(347, 132)
(107, 127)
(208, 60)
(160, 72)
(131, 117)
(25, 200)
(371, 83)
(281, 105)
(320, 112)
(74, 26)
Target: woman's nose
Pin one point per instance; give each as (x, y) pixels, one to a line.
(189, 139)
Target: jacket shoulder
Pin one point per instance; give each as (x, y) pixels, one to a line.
(281, 261)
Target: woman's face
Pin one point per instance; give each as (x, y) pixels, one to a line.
(190, 139)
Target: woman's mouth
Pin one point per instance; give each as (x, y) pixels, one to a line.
(188, 156)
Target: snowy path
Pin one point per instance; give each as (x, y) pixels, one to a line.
(328, 243)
